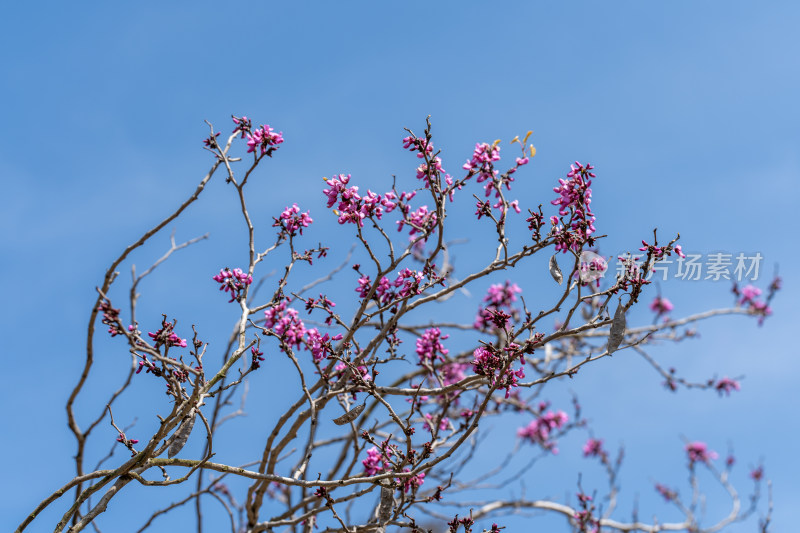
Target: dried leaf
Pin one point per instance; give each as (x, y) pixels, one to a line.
(617, 332)
(181, 436)
(350, 415)
(555, 271)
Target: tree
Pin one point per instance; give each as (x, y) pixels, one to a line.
(390, 394)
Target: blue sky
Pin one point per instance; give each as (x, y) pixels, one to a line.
(688, 111)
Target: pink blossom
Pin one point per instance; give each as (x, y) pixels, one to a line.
(575, 198)
(111, 319)
(292, 221)
(265, 139)
(430, 347)
(482, 161)
(593, 448)
(257, 357)
(412, 482)
(234, 281)
(421, 146)
(375, 463)
(286, 324)
(699, 452)
(353, 208)
(421, 221)
(444, 423)
(243, 125)
(453, 373)
(320, 345)
(726, 385)
(490, 362)
(749, 294)
(166, 337)
(540, 430)
(498, 297)
(661, 306)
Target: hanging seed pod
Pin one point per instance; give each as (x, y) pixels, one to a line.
(350, 415)
(387, 503)
(555, 271)
(181, 435)
(617, 332)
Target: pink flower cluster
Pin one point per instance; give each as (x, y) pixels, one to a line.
(421, 146)
(444, 423)
(243, 125)
(453, 373)
(482, 163)
(498, 297)
(257, 357)
(407, 284)
(234, 281)
(111, 318)
(424, 171)
(661, 251)
(376, 463)
(286, 323)
(749, 297)
(412, 482)
(661, 306)
(494, 364)
(353, 208)
(594, 448)
(421, 221)
(575, 200)
(291, 220)
(320, 345)
(726, 385)
(264, 138)
(166, 337)
(288, 326)
(363, 372)
(699, 452)
(540, 430)
(631, 275)
(430, 347)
